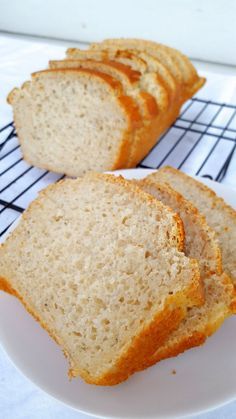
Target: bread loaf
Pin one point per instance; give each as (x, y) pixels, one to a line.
(96, 261)
(105, 111)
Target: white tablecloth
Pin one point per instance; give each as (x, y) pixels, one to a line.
(19, 398)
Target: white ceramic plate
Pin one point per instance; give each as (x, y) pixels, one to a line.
(205, 377)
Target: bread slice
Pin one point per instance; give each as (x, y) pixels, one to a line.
(74, 120)
(130, 81)
(200, 241)
(220, 297)
(145, 89)
(219, 216)
(178, 64)
(96, 261)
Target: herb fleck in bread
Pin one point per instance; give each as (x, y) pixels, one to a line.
(96, 260)
(220, 301)
(220, 216)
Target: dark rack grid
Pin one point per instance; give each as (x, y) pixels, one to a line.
(202, 141)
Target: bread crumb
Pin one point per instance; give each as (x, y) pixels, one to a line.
(173, 372)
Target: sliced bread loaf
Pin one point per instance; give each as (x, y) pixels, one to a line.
(219, 216)
(75, 120)
(220, 297)
(96, 261)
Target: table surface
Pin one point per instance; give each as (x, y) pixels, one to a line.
(19, 398)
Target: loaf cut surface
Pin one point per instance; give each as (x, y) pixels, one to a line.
(220, 216)
(74, 120)
(96, 260)
(220, 301)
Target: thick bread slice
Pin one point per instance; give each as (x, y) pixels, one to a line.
(220, 297)
(96, 260)
(178, 64)
(219, 216)
(132, 86)
(200, 242)
(72, 121)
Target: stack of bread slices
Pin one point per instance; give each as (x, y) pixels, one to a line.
(103, 108)
(124, 273)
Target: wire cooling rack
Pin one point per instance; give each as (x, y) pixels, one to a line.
(202, 141)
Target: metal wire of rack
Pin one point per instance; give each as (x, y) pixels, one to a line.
(202, 141)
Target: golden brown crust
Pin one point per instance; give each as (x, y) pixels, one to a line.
(157, 128)
(136, 123)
